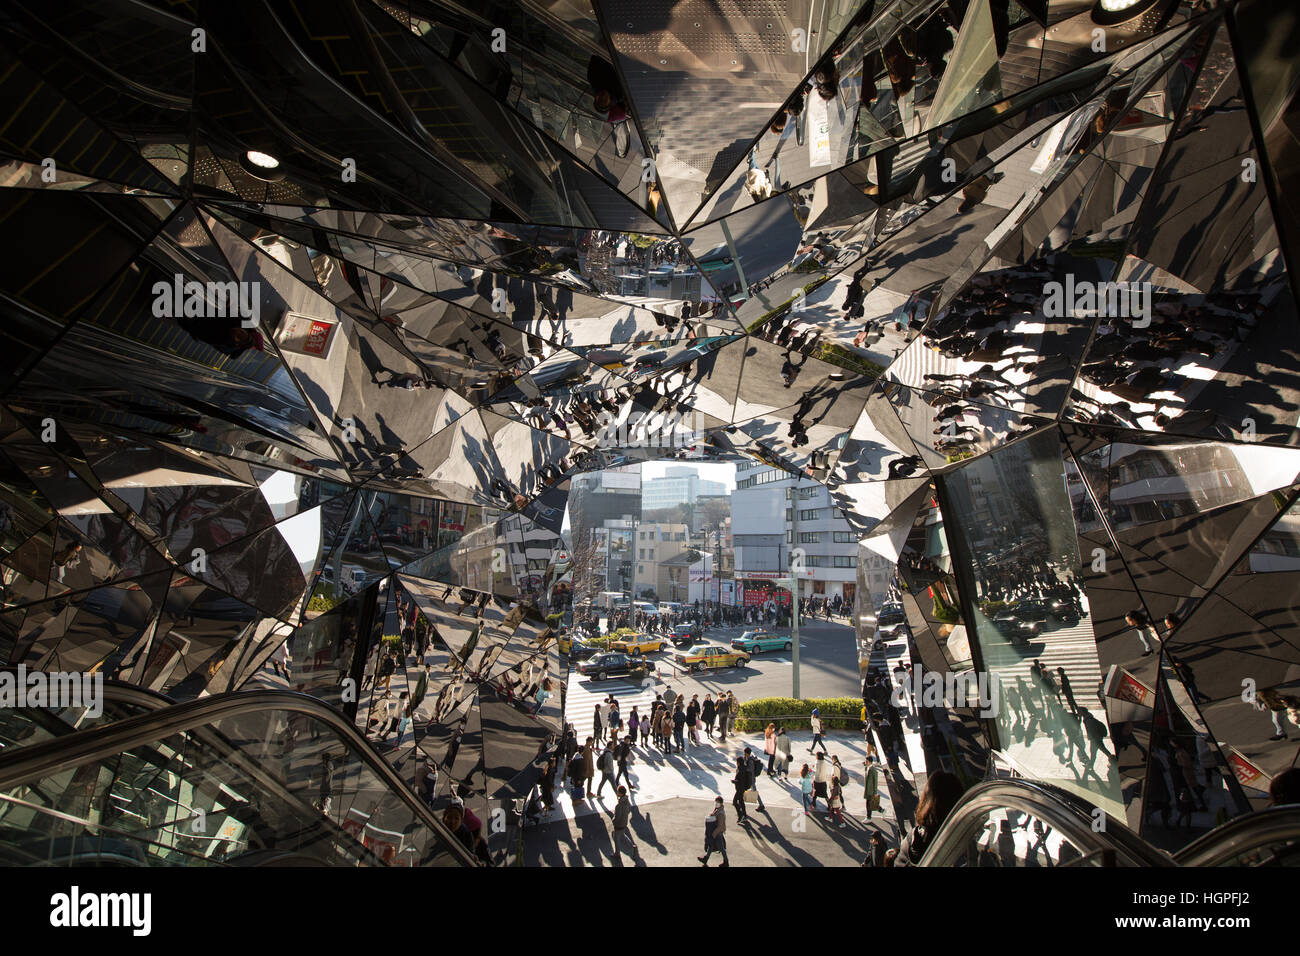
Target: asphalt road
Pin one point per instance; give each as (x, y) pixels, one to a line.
(828, 666)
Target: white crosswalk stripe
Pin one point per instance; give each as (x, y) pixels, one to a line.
(584, 694)
(1072, 648)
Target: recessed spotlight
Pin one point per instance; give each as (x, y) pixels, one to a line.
(262, 165)
(1113, 12)
(262, 160)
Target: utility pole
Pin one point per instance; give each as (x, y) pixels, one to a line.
(794, 595)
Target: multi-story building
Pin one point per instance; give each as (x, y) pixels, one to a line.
(600, 496)
(657, 545)
(773, 514)
(680, 485)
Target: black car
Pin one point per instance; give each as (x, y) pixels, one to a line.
(1064, 610)
(891, 621)
(1015, 629)
(580, 650)
(1034, 612)
(614, 664)
(684, 635)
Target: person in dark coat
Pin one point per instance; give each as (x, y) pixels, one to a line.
(742, 781)
(708, 713)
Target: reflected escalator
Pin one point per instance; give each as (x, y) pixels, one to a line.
(1017, 823)
(258, 778)
(23, 726)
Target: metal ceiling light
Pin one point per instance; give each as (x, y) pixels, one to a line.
(262, 165)
(1111, 12)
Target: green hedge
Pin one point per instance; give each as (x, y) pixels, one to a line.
(837, 713)
(323, 599)
(944, 612)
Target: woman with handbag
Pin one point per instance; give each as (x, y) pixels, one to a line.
(836, 801)
(769, 746)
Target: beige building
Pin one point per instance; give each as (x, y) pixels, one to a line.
(657, 545)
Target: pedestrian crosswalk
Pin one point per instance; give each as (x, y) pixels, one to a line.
(583, 694)
(1071, 648)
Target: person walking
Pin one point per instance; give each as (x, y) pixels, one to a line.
(755, 771)
(589, 765)
(817, 740)
(708, 713)
(622, 821)
(1146, 634)
(715, 833)
(623, 754)
(633, 723)
(607, 764)
(742, 781)
(821, 779)
(769, 746)
(598, 723)
(666, 729)
(782, 743)
(836, 802)
(693, 719)
(647, 726)
(806, 789)
(1063, 683)
(871, 788)
(733, 712)
(679, 727)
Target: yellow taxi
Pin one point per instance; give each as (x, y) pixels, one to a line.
(710, 657)
(635, 644)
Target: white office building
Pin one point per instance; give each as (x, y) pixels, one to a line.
(772, 514)
(679, 485)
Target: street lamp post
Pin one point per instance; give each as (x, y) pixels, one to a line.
(794, 634)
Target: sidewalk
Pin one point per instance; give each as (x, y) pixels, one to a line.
(675, 792)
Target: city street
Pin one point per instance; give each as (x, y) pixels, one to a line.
(828, 667)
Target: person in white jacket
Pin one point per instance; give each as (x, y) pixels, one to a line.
(817, 732)
(821, 778)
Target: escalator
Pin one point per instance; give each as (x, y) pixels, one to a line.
(1265, 838)
(247, 779)
(1017, 823)
(23, 726)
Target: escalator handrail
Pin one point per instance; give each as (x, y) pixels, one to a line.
(38, 761)
(1241, 835)
(1068, 814)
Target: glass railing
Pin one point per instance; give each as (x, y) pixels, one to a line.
(234, 779)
